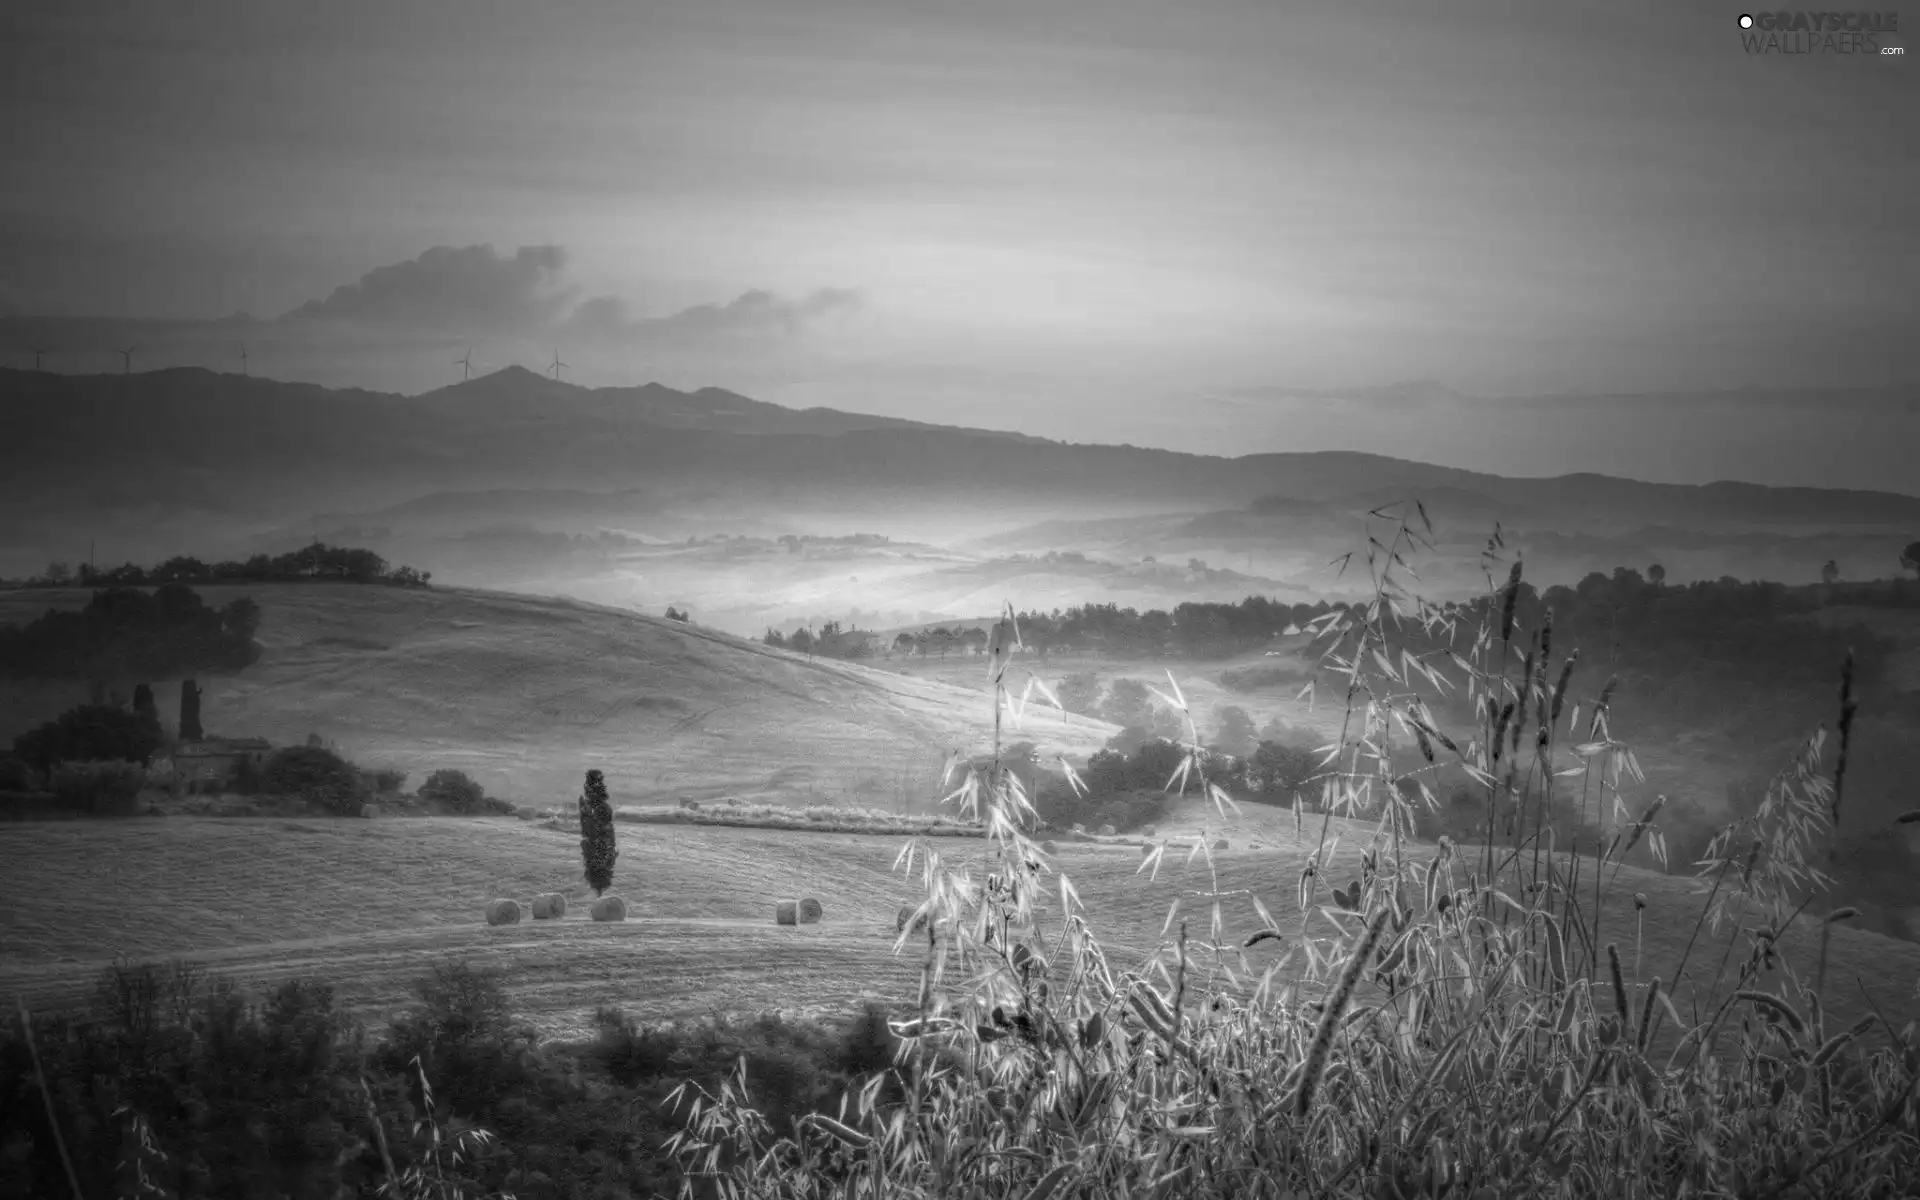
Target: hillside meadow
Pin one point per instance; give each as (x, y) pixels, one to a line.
(526, 693)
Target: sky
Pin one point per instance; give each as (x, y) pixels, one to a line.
(1213, 226)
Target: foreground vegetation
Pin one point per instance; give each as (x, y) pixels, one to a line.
(175, 1082)
(1464, 1023)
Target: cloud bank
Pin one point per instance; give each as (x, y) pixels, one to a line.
(476, 291)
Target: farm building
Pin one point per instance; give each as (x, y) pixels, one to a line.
(215, 760)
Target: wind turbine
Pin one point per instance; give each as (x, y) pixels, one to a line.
(558, 366)
(465, 363)
(243, 358)
(126, 359)
(38, 351)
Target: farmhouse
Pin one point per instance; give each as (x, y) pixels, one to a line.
(215, 760)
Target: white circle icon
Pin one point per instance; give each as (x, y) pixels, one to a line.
(1746, 22)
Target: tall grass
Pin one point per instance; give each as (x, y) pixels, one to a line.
(1458, 1021)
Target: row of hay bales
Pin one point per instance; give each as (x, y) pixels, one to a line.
(798, 912)
(1146, 848)
(551, 906)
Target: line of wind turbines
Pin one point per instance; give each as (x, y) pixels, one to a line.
(464, 362)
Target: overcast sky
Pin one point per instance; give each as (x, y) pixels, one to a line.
(1141, 221)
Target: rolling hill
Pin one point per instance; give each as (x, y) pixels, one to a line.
(171, 435)
(527, 693)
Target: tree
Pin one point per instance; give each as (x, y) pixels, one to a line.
(59, 573)
(1657, 575)
(1107, 772)
(1830, 573)
(315, 774)
(453, 789)
(191, 711)
(1281, 769)
(190, 730)
(1080, 693)
(144, 706)
(774, 637)
(89, 733)
(596, 834)
(675, 614)
(1236, 735)
(1128, 703)
(1910, 558)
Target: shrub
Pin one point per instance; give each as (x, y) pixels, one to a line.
(101, 788)
(314, 774)
(454, 790)
(386, 781)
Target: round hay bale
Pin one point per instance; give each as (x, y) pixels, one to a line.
(503, 912)
(1221, 844)
(810, 911)
(787, 912)
(549, 906)
(1106, 831)
(1049, 847)
(610, 908)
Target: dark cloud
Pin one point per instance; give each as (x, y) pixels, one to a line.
(470, 289)
(752, 314)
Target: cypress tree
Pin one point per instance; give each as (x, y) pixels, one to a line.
(596, 834)
(144, 706)
(190, 730)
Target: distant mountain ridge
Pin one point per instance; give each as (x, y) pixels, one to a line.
(173, 435)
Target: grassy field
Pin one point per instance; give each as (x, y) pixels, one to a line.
(368, 905)
(525, 694)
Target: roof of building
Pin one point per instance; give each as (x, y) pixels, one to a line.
(215, 747)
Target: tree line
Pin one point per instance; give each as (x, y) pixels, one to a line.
(316, 563)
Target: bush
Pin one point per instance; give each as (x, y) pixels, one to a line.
(314, 774)
(101, 788)
(453, 789)
(90, 733)
(386, 781)
(1154, 765)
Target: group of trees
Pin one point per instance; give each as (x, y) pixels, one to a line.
(125, 632)
(1710, 652)
(831, 640)
(1192, 630)
(315, 563)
